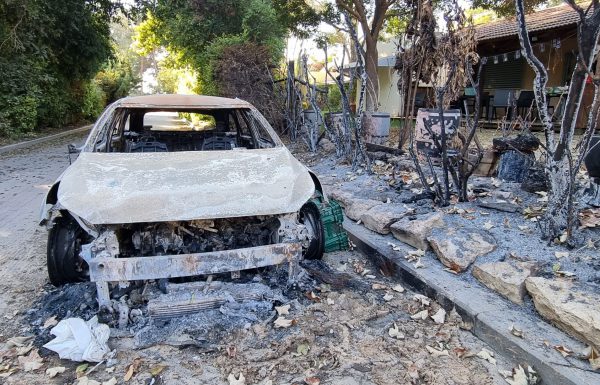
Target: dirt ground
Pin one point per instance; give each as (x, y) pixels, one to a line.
(356, 332)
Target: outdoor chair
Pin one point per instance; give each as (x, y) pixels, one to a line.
(419, 102)
(524, 102)
(502, 99)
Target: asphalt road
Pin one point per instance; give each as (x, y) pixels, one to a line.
(25, 177)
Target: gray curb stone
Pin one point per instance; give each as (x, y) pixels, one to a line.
(33, 142)
(490, 315)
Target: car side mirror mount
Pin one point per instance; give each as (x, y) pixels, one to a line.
(73, 149)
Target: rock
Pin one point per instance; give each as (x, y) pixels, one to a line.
(341, 196)
(505, 278)
(535, 180)
(500, 206)
(327, 145)
(380, 217)
(572, 310)
(459, 248)
(415, 230)
(527, 143)
(501, 194)
(356, 207)
(513, 165)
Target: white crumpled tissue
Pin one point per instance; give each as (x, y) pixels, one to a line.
(78, 340)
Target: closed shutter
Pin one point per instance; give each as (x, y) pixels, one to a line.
(504, 74)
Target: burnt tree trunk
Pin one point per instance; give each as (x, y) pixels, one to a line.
(560, 167)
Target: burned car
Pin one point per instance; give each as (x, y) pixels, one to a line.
(170, 186)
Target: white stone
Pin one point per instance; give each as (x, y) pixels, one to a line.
(505, 278)
(459, 248)
(415, 232)
(572, 310)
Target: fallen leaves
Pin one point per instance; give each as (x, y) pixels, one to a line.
(589, 218)
(132, 369)
(422, 315)
(488, 225)
(592, 356)
(439, 352)
(31, 362)
(394, 332)
(388, 297)
(398, 288)
(312, 381)
(561, 254)
(487, 355)
(424, 300)
(282, 310)
(439, 317)
(52, 321)
(241, 380)
(518, 376)
(563, 350)
(53, 372)
(516, 332)
(282, 322)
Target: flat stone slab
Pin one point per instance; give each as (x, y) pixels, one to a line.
(380, 217)
(500, 206)
(356, 207)
(490, 315)
(506, 278)
(572, 310)
(457, 249)
(344, 197)
(414, 231)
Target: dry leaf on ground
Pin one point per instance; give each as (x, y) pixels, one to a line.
(394, 332)
(516, 332)
(561, 254)
(422, 315)
(487, 355)
(50, 322)
(53, 372)
(132, 369)
(563, 350)
(425, 301)
(31, 362)
(241, 380)
(282, 322)
(87, 381)
(388, 297)
(312, 381)
(437, 352)
(283, 310)
(439, 317)
(518, 377)
(398, 288)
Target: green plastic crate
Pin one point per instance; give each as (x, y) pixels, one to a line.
(332, 217)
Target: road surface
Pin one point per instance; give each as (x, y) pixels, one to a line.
(25, 177)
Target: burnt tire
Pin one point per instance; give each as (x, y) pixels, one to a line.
(311, 218)
(64, 244)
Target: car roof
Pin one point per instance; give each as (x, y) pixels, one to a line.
(181, 101)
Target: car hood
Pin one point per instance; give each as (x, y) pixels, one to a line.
(116, 188)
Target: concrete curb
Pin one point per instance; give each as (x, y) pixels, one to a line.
(489, 315)
(33, 142)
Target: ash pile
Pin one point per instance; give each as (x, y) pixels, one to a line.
(196, 313)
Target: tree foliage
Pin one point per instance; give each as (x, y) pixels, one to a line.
(49, 51)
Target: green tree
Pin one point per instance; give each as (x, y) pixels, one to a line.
(49, 52)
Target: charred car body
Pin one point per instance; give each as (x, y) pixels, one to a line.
(170, 186)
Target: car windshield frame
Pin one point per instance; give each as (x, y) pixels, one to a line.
(101, 134)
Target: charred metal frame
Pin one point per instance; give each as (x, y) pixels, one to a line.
(104, 270)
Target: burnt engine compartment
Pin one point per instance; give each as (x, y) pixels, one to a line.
(169, 238)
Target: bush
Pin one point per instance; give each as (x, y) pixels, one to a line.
(18, 115)
(94, 101)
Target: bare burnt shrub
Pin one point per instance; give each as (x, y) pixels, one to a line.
(244, 71)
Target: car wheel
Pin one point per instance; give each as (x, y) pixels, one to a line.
(64, 244)
(311, 218)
